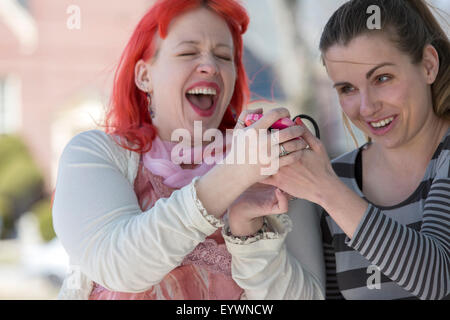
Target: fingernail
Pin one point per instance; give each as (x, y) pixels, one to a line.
(298, 121)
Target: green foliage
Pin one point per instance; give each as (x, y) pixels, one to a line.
(18, 176)
(5, 206)
(43, 211)
(17, 169)
(5, 214)
(11, 147)
(20, 181)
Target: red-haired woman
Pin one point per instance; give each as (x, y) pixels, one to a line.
(139, 226)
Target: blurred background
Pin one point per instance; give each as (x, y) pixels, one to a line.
(57, 60)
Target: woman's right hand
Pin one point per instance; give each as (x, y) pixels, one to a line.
(257, 159)
(224, 183)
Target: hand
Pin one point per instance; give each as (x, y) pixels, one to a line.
(255, 151)
(246, 214)
(308, 177)
(233, 176)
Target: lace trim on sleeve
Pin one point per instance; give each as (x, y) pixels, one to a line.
(217, 223)
(275, 229)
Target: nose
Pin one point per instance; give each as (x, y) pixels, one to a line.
(369, 105)
(207, 65)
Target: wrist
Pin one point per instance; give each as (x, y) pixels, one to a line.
(330, 193)
(248, 229)
(241, 224)
(218, 181)
(344, 206)
(234, 174)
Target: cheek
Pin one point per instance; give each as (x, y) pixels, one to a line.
(169, 85)
(395, 95)
(407, 98)
(229, 78)
(350, 105)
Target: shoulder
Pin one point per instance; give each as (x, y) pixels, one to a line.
(99, 146)
(446, 140)
(92, 137)
(87, 137)
(443, 156)
(93, 142)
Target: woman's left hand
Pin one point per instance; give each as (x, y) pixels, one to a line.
(245, 215)
(308, 177)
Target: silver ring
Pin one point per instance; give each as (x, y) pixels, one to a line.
(242, 123)
(283, 151)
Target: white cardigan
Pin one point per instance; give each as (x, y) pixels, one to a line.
(96, 216)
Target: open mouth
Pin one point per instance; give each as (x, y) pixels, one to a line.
(382, 123)
(203, 98)
(383, 126)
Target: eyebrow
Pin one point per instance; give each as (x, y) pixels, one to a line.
(371, 71)
(193, 42)
(368, 74)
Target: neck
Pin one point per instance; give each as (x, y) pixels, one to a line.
(185, 142)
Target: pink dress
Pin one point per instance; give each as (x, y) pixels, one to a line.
(205, 273)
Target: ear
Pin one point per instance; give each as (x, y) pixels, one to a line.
(142, 77)
(430, 63)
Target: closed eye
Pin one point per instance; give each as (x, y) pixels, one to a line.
(223, 57)
(186, 54)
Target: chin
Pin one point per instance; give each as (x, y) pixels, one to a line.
(387, 143)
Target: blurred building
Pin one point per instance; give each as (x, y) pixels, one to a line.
(57, 60)
(56, 63)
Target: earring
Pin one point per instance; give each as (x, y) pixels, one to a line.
(150, 109)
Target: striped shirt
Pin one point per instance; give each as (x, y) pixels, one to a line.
(397, 252)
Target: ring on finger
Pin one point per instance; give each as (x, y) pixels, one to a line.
(283, 151)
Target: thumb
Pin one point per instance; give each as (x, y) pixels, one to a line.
(313, 142)
(282, 205)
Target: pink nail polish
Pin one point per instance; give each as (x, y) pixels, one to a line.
(283, 123)
(298, 121)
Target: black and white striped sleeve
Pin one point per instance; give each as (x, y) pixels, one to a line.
(418, 261)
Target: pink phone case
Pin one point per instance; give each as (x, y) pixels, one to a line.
(280, 124)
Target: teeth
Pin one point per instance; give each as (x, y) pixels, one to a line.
(382, 123)
(206, 91)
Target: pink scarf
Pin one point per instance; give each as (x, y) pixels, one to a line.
(158, 160)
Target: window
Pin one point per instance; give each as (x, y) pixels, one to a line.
(10, 104)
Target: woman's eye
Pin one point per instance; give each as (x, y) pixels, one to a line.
(186, 54)
(383, 78)
(223, 57)
(346, 89)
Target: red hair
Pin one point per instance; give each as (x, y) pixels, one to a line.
(129, 117)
